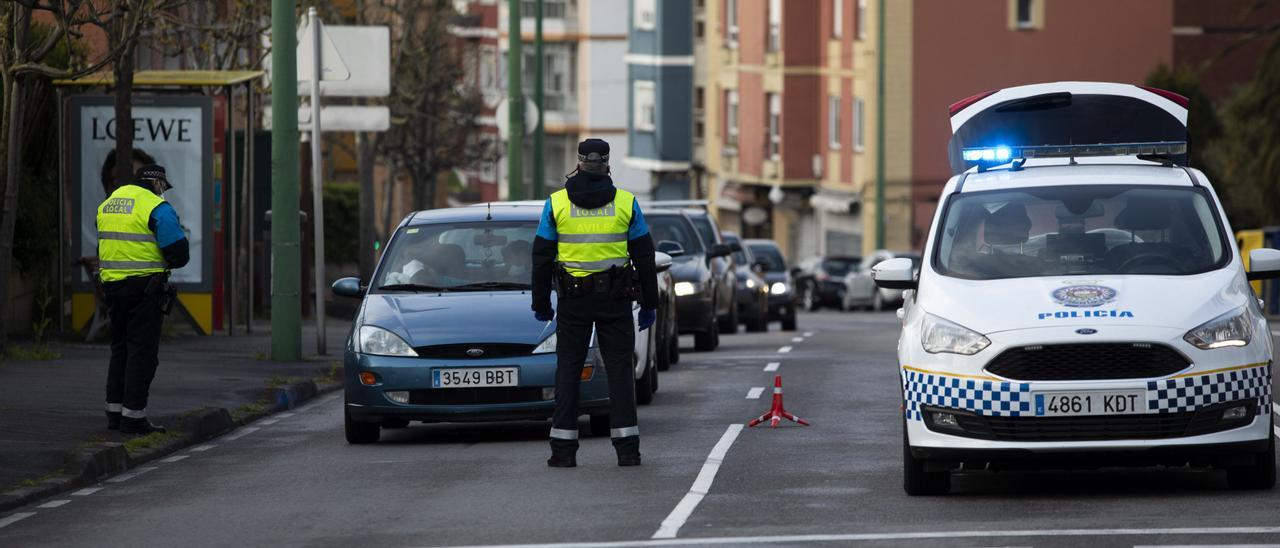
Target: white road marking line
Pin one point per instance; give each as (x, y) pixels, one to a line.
(86, 491)
(54, 503)
(849, 537)
(268, 422)
(773, 366)
(701, 485)
(1202, 545)
(797, 339)
(175, 458)
(14, 518)
(1275, 332)
(808, 333)
(242, 433)
(131, 475)
(784, 350)
(286, 415)
(202, 448)
(754, 393)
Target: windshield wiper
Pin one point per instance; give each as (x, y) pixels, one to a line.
(491, 285)
(412, 287)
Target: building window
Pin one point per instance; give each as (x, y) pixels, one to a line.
(731, 19)
(488, 68)
(551, 9)
(558, 72)
(833, 122)
(775, 126)
(697, 99)
(859, 22)
(859, 124)
(1026, 14)
(698, 30)
(645, 110)
(731, 117)
(646, 14)
(697, 131)
(837, 18)
(775, 25)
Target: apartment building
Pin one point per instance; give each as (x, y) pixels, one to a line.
(1202, 31)
(660, 71)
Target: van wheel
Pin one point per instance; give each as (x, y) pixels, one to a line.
(808, 300)
(709, 338)
(359, 432)
(395, 423)
(877, 302)
(664, 352)
(600, 425)
(1262, 475)
(915, 480)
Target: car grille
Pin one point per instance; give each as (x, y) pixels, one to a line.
(1093, 428)
(1069, 362)
(475, 396)
(459, 351)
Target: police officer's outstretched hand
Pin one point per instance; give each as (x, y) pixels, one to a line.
(647, 317)
(544, 315)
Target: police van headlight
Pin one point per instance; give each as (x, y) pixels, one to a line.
(941, 336)
(381, 342)
(1235, 328)
(547, 346)
(684, 289)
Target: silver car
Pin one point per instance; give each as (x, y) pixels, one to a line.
(860, 289)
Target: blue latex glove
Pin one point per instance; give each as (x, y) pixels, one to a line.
(544, 316)
(647, 317)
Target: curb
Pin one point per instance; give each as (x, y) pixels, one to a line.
(91, 464)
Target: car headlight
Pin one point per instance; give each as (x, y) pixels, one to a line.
(1235, 328)
(684, 289)
(778, 288)
(751, 284)
(547, 346)
(380, 342)
(939, 335)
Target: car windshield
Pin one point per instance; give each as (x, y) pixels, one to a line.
(839, 267)
(459, 257)
(676, 229)
(705, 230)
(770, 256)
(1079, 230)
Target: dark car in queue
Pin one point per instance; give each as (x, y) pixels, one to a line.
(782, 294)
(722, 268)
(444, 333)
(697, 289)
(820, 280)
(751, 291)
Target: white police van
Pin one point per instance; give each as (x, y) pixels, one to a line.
(1081, 300)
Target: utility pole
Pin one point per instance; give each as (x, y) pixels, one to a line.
(317, 174)
(286, 332)
(515, 105)
(539, 176)
(880, 124)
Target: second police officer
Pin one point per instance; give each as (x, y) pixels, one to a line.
(593, 242)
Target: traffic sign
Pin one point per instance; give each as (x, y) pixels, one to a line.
(334, 69)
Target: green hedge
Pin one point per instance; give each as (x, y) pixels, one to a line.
(341, 222)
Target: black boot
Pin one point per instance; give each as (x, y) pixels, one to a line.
(139, 426)
(113, 420)
(629, 460)
(562, 461)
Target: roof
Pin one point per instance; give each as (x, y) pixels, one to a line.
(1057, 172)
(499, 211)
(162, 78)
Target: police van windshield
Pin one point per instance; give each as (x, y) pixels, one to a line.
(1074, 230)
(459, 257)
(676, 229)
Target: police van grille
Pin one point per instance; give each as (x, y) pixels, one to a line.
(1103, 361)
(1096, 428)
(459, 351)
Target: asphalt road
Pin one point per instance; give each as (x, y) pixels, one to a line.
(292, 480)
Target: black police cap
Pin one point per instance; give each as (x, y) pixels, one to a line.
(593, 150)
(152, 172)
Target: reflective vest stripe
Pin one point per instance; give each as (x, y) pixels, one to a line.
(130, 265)
(596, 266)
(126, 236)
(593, 238)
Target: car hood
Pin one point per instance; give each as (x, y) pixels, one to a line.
(455, 318)
(991, 306)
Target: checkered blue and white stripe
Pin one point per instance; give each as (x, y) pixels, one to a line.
(992, 398)
(1179, 395)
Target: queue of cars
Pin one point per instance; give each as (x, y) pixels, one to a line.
(444, 332)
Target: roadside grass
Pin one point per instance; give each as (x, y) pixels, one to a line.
(334, 374)
(142, 443)
(35, 353)
(280, 381)
(249, 410)
(32, 482)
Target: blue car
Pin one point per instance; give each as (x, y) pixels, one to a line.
(445, 332)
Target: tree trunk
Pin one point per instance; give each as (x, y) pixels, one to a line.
(364, 154)
(124, 110)
(11, 128)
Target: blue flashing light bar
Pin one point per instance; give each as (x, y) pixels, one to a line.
(1003, 154)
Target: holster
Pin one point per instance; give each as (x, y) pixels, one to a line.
(159, 288)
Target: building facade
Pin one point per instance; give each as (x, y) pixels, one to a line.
(1203, 31)
(660, 71)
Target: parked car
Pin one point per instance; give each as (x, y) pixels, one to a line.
(699, 295)
(820, 280)
(665, 330)
(860, 289)
(722, 268)
(782, 294)
(751, 292)
(444, 332)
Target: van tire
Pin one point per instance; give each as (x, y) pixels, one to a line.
(1261, 475)
(915, 480)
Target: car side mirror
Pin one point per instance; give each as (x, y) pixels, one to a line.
(895, 274)
(662, 261)
(1264, 264)
(349, 287)
(735, 247)
(719, 250)
(671, 248)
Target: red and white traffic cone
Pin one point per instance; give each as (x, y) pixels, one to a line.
(776, 413)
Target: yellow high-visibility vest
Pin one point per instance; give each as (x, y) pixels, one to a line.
(126, 245)
(592, 240)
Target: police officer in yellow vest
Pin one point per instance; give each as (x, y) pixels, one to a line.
(593, 242)
(139, 241)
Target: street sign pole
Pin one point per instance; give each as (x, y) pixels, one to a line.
(317, 181)
(515, 112)
(880, 152)
(539, 177)
(286, 306)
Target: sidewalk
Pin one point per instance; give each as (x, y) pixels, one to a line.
(51, 411)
